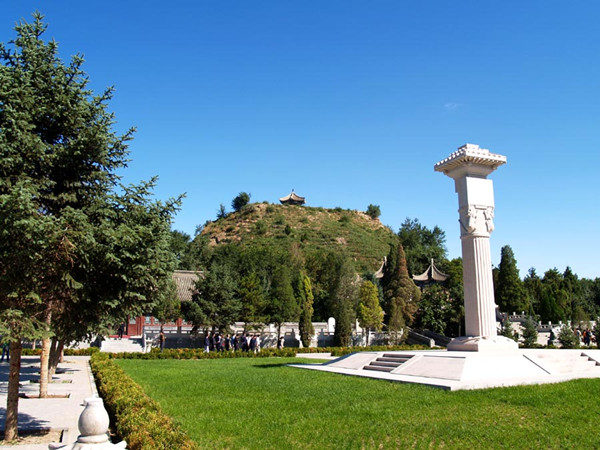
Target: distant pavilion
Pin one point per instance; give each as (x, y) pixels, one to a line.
(430, 276)
(292, 199)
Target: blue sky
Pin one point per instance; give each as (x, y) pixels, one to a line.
(352, 103)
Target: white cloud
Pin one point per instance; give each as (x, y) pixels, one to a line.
(452, 106)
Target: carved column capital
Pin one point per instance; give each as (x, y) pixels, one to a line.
(476, 220)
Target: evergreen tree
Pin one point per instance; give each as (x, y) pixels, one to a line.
(400, 293)
(567, 337)
(242, 199)
(454, 285)
(509, 292)
(90, 264)
(305, 326)
(221, 212)
(421, 245)
(533, 289)
(507, 330)
(216, 303)
(373, 211)
(530, 333)
(435, 309)
(283, 305)
(370, 314)
(252, 298)
(344, 299)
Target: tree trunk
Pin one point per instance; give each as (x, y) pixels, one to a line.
(45, 357)
(55, 350)
(12, 399)
(61, 352)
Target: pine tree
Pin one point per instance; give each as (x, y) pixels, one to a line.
(509, 292)
(370, 314)
(530, 333)
(400, 292)
(507, 330)
(283, 305)
(567, 337)
(96, 251)
(305, 326)
(344, 304)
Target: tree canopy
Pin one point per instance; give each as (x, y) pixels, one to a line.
(89, 251)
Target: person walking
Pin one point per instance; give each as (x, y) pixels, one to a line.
(207, 342)
(161, 339)
(5, 352)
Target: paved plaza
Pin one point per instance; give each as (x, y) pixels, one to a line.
(73, 379)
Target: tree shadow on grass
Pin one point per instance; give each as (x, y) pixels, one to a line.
(270, 366)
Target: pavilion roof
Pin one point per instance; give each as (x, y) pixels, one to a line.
(292, 197)
(431, 274)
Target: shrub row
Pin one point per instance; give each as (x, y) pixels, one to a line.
(198, 353)
(138, 419)
(341, 351)
(67, 352)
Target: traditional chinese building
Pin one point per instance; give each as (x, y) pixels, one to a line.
(430, 276)
(185, 283)
(292, 199)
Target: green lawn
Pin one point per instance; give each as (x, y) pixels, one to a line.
(261, 403)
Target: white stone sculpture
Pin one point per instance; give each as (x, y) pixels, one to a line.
(93, 426)
(469, 166)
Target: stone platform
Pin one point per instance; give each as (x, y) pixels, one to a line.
(468, 370)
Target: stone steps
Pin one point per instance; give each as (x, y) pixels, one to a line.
(569, 363)
(121, 346)
(387, 363)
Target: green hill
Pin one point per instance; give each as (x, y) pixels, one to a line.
(365, 240)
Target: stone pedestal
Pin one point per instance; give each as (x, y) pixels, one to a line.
(93, 425)
(469, 167)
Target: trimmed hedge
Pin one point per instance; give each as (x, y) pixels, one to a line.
(290, 352)
(341, 351)
(67, 351)
(198, 353)
(138, 419)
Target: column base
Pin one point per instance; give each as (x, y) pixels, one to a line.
(482, 344)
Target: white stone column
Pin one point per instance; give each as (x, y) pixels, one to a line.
(469, 166)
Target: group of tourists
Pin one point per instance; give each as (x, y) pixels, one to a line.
(585, 336)
(215, 342)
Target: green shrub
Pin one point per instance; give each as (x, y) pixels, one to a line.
(567, 337)
(138, 419)
(68, 351)
(260, 227)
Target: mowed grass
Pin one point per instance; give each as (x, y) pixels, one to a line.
(261, 403)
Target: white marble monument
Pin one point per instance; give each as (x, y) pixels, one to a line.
(469, 166)
(489, 360)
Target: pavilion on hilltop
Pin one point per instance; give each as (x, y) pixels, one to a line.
(292, 199)
(431, 275)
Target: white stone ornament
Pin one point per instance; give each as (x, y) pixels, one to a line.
(469, 166)
(93, 426)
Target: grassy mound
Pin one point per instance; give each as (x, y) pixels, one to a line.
(351, 232)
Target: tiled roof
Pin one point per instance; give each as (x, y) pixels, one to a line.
(185, 281)
(293, 198)
(431, 274)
